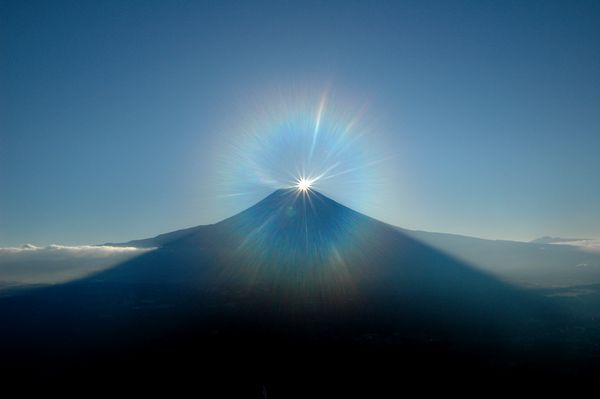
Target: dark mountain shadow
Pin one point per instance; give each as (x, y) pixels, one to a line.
(286, 298)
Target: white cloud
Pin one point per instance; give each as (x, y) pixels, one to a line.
(70, 249)
(588, 244)
(55, 263)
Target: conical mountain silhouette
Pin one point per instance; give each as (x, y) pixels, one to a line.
(293, 279)
(306, 247)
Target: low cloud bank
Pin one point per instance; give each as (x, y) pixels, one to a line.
(588, 244)
(55, 249)
(31, 264)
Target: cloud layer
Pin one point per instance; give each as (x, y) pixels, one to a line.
(31, 264)
(88, 250)
(588, 244)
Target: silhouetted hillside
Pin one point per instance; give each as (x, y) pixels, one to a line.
(297, 295)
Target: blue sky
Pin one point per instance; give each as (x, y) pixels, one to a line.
(115, 116)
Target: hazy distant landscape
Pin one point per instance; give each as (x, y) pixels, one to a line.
(299, 199)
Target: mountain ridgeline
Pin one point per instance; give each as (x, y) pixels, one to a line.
(308, 249)
(263, 294)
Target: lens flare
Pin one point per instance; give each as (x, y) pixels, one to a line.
(316, 141)
(303, 184)
(302, 155)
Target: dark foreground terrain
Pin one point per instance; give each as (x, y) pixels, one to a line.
(297, 296)
(152, 338)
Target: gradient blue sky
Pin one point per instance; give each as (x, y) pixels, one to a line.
(114, 115)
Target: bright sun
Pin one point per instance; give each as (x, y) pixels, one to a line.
(303, 184)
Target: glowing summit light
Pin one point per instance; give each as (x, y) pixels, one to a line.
(295, 152)
(306, 141)
(303, 184)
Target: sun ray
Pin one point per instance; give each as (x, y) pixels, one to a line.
(306, 145)
(317, 124)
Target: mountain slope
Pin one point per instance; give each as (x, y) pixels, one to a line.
(283, 233)
(527, 264)
(304, 248)
(295, 285)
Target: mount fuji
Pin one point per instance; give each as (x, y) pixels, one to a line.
(297, 295)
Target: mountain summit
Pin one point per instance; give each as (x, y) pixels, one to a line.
(294, 236)
(294, 278)
(304, 247)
